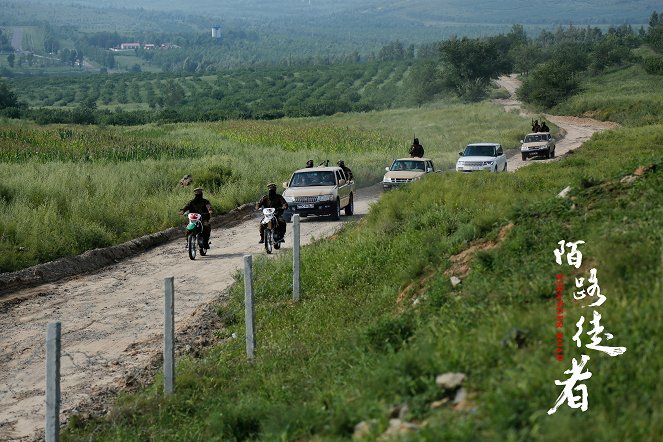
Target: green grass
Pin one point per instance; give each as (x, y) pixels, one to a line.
(357, 345)
(635, 98)
(126, 62)
(115, 184)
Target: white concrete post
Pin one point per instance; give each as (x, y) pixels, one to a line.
(169, 337)
(53, 381)
(249, 309)
(295, 258)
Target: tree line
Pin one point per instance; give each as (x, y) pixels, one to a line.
(552, 64)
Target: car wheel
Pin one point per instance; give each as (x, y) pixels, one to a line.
(552, 155)
(548, 154)
(350, 208)
(524, 157)
(504, 170)
(337, 213)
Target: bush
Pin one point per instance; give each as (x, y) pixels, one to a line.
(549, 84)
(653, 65)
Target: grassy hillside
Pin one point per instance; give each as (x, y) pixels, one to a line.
(635, 98)
(358, 346)
(379, 319)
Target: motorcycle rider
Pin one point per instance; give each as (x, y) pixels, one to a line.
(275, 201)
(202, 206)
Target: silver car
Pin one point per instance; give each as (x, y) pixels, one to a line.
(540, 143)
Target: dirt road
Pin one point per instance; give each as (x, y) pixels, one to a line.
(574, 130)
(112, 319)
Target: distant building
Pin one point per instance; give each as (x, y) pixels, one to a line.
(129, 45)
(216, 31)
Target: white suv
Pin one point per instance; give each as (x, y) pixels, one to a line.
(482, 156)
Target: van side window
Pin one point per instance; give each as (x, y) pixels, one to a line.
(339, 176)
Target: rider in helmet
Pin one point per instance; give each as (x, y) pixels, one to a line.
(202, 206)
(309, 163)
(275, 201)
(346, 169)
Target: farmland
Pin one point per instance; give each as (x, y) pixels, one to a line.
(257, 93)
(85, 187)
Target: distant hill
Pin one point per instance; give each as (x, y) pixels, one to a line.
(423, 12)
(274, 30)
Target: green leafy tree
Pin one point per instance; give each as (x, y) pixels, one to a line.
(525, 57)
(655, 32)
(469, 64)
(7, 97)
(549, 84)
(174, 94)
(423, 82)
(611, 51)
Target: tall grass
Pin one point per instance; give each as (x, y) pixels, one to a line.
(379, 319)
(69, 189)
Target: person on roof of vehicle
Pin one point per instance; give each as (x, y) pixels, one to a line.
(544, 127)
(416, 150)
(346, 169)
(309, 163)
(275, 201)
(202, 206)
(535, 126)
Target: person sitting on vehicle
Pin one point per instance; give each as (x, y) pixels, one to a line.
(275, 201)
(416, 150)
(535, 126)
(346, 169)
(544, 127)
(309, 163)
(202, 206)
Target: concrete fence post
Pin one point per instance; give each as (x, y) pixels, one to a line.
(169, 337)
(53, 381)
(295, 258)
(249, 309)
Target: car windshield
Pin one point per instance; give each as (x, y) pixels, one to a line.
(320, 178)
(479, 151)
(408, 165)
(534, 138)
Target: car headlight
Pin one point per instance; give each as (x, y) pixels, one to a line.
(325, 197)
(488, 163)
(460, 164)
(386, 180)
(289, 199)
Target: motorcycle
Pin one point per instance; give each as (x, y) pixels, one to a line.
(194, 235)
(271, 232)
